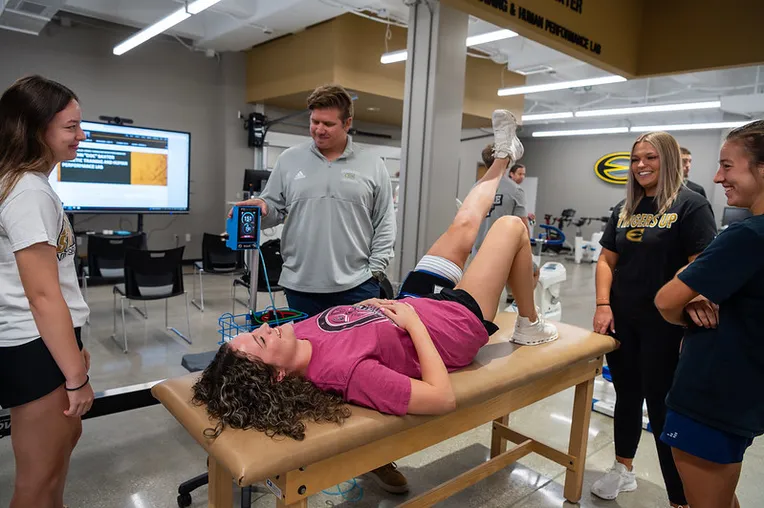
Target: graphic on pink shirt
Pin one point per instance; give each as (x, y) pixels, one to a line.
(338, 319)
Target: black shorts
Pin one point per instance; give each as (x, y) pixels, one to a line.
(466, 299)
(29, 372)
(421, 283)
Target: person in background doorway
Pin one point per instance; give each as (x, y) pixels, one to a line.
(660, 227)
(340, 226)
(517, 173)
(686, 166)
(716, 407)
(43, 367)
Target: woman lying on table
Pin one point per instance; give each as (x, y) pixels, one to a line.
(393, 356)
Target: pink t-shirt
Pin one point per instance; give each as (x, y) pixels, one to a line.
(367, 359)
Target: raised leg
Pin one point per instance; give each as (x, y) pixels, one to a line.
(220, 491)
(504, 256)
(579, 439)
(456, 243)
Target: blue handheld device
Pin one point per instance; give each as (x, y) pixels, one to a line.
(243, 228)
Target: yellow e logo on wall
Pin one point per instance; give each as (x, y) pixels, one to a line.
(613, 167)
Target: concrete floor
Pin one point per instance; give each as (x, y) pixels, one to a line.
(137, 459)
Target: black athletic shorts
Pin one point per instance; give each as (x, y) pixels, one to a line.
(421, 283)
(29, 372)
(466, 299)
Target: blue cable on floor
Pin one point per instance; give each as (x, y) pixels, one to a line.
(344, 493)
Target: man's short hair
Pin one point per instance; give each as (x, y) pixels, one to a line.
(487, 155)
(684, 151)
(332, 96)
(515, 167)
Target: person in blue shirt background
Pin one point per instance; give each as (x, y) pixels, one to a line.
(715, 405)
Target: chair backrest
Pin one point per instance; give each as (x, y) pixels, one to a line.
(217, 257)
(153, 274)
(273, 261)
(106, 254)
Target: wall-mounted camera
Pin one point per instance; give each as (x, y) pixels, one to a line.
(116, 120)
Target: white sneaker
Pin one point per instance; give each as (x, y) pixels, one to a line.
(617, 479)
(505, 141)
(531, 334)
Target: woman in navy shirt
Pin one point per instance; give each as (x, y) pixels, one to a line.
(715, 404)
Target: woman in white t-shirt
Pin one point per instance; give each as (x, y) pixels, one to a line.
(43, 366)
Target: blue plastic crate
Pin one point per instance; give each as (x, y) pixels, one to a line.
(229, 325)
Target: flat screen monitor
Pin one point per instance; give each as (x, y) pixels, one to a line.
(734, 214)
(125, 169)
(254, 180)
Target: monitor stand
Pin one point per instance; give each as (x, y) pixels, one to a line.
(140, 223)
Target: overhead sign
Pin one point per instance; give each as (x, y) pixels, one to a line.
(614, 167)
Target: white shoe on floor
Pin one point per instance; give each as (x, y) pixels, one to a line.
(617, 479)
(532, 334)
(506, 144)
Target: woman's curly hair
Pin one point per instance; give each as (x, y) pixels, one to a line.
(242, 393)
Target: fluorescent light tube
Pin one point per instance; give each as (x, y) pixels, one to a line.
(402, 55)
(200, 5)
(547, 87)
(394, 56)
(162, 25)
(485, 38)
(581, 132)
(547, 116)
(688, 126)
(653, 108)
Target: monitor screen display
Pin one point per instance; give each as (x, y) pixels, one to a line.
(734, 214)
(126, 169)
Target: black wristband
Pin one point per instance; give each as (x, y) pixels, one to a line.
(602, 304)
(87, 380)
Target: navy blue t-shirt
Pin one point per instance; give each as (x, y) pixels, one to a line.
(651, 248)
(720, 377)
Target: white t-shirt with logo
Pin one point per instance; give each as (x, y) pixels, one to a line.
(32, 213)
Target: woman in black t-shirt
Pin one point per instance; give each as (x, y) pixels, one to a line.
(715, 405)
(655, 231)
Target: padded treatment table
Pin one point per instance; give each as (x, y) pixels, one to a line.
(503, 378)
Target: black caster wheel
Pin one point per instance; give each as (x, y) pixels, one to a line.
(184, 500)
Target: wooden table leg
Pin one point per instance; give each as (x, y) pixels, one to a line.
(579, 439)
(220, 491)
(499, 444)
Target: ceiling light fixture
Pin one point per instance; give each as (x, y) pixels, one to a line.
(498, 35)
(547, 116)
(562, 85)
(653, 108)
(688, 126)
(394, 56)
(162, 25)
(580, 132)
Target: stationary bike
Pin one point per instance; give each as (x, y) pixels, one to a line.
(566, 218)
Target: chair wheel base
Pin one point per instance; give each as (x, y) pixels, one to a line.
(184, 500)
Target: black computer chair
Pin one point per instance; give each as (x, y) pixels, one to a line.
(216, 258)
(151, 275)
(106, 259)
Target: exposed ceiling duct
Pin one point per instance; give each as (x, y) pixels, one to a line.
(28, 16)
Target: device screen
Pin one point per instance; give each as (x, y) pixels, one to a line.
(247, 226)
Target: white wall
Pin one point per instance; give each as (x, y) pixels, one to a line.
(159, 84)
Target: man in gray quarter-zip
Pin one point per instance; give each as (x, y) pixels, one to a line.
(336, 202)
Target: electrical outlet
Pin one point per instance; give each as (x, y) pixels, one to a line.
(188, 237)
